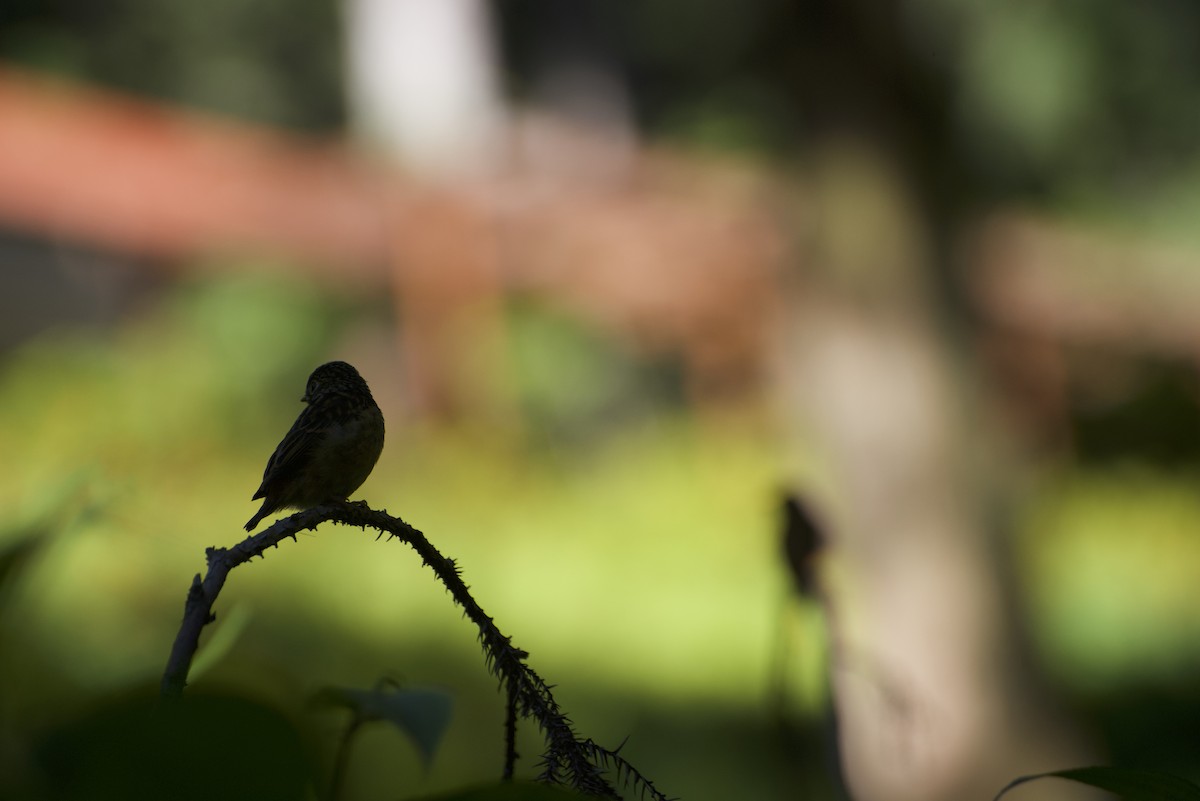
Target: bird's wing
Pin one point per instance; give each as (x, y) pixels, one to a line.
(293, 451)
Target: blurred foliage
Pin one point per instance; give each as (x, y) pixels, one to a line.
(1144, 410)
(1109, 557)
(575, 385)
(1091, 107)
(273, 61)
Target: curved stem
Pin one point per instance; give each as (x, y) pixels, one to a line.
(510, 731)
(567, 758)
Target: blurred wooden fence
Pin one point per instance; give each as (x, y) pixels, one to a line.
(681, 256)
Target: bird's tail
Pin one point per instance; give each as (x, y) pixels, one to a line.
(259, 515)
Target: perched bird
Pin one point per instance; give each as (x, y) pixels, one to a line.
(803, 544)
(330, 449)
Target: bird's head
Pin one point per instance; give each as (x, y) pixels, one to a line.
(333, 378)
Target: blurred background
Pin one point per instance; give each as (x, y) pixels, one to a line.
(620, 277)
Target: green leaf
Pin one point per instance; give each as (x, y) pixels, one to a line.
(510, 791)
(227, 633)
(16, 556)
(421, 713)
(203, 748)
(55, 509)
(1133, 785)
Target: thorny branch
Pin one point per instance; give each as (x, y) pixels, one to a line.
(580, 764)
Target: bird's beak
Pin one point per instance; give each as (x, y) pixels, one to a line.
(305, 398)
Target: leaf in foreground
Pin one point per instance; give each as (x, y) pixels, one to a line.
(421, 713)
(1130, 784)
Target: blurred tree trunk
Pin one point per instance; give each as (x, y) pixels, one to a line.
(933, 698)
(423, 82)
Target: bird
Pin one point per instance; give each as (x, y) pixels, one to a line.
(330, 449)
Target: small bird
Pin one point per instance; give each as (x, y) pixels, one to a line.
(331, 448)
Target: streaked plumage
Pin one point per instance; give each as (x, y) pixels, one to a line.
(331, 448)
